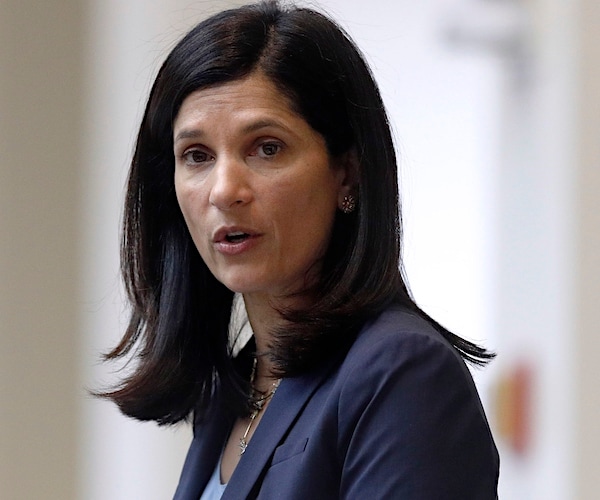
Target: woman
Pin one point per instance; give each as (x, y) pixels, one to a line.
(265, 166)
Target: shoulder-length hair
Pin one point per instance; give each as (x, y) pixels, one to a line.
(178, 330)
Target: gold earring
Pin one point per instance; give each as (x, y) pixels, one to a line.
(348, 204)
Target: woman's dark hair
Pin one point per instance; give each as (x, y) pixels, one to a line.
(178, 331)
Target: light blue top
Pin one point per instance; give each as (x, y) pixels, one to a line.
(214, 489)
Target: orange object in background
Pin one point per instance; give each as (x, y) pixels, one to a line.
(513, 408)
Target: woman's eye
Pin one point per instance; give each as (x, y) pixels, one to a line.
(268, 149)
(195, 156)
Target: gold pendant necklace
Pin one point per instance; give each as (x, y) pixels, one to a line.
(258, 406)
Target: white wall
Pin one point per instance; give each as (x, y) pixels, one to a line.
(40, 122)
(586, 263)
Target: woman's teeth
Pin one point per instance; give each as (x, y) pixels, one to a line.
(236, 237)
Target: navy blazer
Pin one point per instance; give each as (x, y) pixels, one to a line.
(398, 418)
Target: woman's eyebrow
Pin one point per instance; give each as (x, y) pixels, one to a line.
(263, 123)
(189, 134)
(250, 127)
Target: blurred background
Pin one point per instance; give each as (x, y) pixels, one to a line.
(495, 106)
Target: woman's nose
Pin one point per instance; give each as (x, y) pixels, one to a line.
(229, 186)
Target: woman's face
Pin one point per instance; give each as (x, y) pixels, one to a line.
(256, 186)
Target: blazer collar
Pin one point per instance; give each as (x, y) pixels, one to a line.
(290, 398)
(204, 453)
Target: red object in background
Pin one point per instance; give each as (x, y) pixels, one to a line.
(513, 407)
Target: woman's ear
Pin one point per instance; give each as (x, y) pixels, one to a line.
(349, 170)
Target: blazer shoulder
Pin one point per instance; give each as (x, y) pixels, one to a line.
(406, 396)
(402, 332)
(405, 357)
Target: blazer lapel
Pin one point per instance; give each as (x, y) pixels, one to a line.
(288, 401)
(203, 455)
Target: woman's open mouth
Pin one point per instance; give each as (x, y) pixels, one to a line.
(236, 237)
(233, 241)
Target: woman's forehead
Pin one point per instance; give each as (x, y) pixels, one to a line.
(255, 102)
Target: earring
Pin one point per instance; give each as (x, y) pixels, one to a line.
(348, 204)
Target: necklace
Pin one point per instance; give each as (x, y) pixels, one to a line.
(258, 405)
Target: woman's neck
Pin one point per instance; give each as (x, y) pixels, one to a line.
(263, 318)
